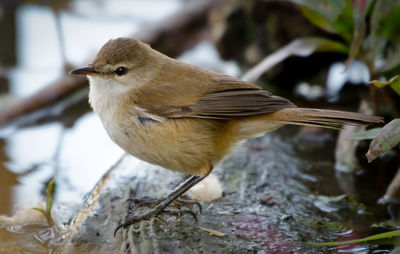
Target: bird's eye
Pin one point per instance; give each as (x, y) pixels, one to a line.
(121, 71)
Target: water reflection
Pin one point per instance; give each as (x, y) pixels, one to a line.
(77, 156)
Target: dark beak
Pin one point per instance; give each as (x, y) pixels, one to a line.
(84, 70)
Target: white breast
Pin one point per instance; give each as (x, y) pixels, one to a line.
(104, 98)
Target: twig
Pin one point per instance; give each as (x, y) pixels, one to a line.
(171, 36)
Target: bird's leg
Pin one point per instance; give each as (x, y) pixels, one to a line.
(163, 203)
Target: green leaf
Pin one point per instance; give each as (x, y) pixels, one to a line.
(366, 239)
(393, 82)
(49, 200)
(334, 16)
(384, 40)
(40, 210)
(395, 85)
(379, 13)
(368, 134)
(387, 138)
(381, 84)
(49, 204)
(327, 9)
(334, 203)
(46, 215)
(332, 225)
(390, 24)
(318, 20)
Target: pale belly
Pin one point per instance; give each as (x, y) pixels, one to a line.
(189, 146)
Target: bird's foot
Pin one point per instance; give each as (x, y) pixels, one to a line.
(161, 204)
(160, 209)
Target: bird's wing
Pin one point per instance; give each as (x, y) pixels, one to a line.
(219, 97)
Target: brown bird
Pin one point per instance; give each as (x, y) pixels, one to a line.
(182, 117)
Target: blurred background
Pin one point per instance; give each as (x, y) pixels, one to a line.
(316, 53)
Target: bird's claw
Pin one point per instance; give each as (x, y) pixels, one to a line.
(158, 211)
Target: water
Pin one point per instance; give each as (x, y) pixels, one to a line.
(293, 168)
(77, 156)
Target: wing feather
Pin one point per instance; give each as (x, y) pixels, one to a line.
(209, 95)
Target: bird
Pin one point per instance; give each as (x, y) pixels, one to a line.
(182, 117)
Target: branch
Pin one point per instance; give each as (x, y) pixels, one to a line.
(171, 36)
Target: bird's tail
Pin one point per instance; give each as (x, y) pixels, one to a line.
(258, 125)
(323, 117)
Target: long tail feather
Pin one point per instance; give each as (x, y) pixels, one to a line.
(324, 117)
